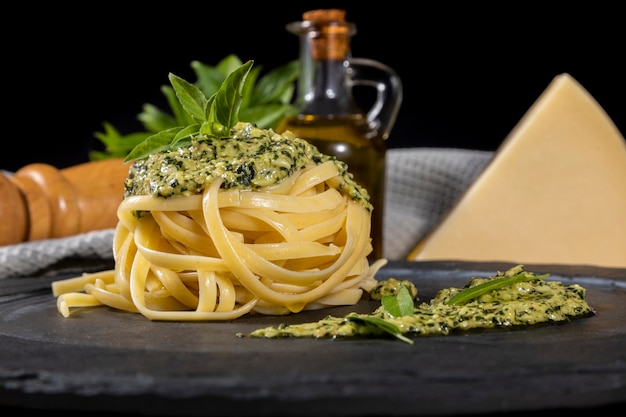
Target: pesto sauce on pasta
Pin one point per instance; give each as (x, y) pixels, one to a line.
(250, 159)
(521, 304)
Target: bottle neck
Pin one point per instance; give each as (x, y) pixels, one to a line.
(324, 85)
(325, 88)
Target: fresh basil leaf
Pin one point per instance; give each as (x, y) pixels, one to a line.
(400, 304)
(155, 119)
(184, 133)
(191, 97)
(209, 78)
(405, 301)
(380, 324)
(476, 291)
(116, 145)
(229, 96)
(212, 126)
(155, 143)
(181, 117)
(121, 149)
(272, 86)
(248, 89)
(391, 305)
(267, 115)
(110, 137)
(227, 65)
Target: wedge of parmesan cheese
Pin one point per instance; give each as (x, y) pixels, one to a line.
(554, 192)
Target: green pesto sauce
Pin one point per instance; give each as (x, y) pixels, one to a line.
(520, 304)
(391, 287)
(249, 159)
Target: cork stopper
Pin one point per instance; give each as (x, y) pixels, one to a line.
(325, 15)
(331, 37)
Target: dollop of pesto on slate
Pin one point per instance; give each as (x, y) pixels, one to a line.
(521, 304)
(250, 159)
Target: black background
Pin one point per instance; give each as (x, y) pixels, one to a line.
(470, 70)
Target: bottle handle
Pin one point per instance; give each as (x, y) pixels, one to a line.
(370, 73)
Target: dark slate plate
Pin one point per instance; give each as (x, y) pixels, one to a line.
(105, 360)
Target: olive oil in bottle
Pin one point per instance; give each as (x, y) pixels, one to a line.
(329, 116)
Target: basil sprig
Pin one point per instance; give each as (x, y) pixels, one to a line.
(266, 100)
(513, 276)
(213, 116)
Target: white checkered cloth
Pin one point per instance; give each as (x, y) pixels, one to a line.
(422, 185)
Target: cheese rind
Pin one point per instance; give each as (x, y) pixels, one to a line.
(554, 192)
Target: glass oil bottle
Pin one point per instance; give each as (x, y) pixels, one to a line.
(329, 116)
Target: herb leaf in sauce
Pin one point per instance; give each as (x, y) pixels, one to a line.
(214, 116)
(512, 276)
(380, 324)
(399, 305)
(266, 100)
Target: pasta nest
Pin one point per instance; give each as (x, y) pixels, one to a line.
(220, 254)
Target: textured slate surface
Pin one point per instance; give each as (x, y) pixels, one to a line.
(104, 360)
